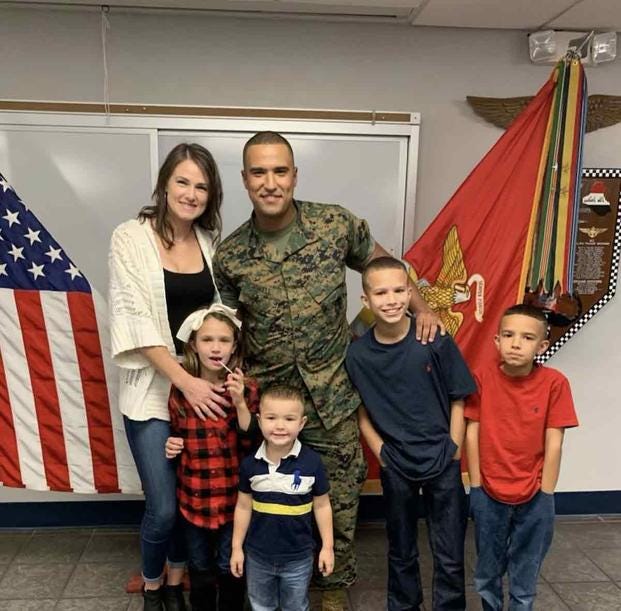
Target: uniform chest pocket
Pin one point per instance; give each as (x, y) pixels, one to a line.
(329, 294)
(327, 285)
(263, 308)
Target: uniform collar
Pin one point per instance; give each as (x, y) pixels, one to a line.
(261, 455)
(301, 235)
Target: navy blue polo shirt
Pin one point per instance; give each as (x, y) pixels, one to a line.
(282, 502)
(407, 389)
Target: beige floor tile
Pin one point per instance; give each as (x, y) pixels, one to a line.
(98, 580)
(52, 548)
(35, 580)
(590, 596)
(93, 604)
(10, 545)
(563, 567)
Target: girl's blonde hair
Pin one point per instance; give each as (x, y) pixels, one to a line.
(191, 362)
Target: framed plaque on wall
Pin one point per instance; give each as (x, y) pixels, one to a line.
(596, 266)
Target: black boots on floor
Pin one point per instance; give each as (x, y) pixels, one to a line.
(165, 598)
(152, 600)
(172, 596)
(207, 593)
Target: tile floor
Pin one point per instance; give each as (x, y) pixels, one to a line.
(86, 569)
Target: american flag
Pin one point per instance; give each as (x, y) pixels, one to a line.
(60, 427)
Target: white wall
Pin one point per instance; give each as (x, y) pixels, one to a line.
(200, 60)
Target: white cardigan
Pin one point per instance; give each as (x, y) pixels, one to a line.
(139, 317)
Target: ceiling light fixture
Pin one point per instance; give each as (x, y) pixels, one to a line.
(549, 46)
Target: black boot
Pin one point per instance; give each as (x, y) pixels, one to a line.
(232, 593)
(152, 600)
(203, 592)
(173, 598)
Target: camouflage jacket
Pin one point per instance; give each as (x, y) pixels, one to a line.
(295, 309)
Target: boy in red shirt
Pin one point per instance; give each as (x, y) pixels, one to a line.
(514, 435)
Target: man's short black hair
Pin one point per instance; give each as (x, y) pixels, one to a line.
(266, 137)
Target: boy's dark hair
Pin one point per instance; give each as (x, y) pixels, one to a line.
(282, 391)
(381, 263)
(266, 138)
(530, 311)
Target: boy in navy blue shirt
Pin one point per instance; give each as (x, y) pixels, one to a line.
(413, 421)
(280, 487)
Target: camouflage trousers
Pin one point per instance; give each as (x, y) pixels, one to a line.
(346, 467)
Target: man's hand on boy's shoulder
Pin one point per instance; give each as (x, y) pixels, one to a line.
(427, 325)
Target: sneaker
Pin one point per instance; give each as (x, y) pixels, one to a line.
(334, 600)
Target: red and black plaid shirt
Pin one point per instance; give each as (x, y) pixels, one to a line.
(208, 471)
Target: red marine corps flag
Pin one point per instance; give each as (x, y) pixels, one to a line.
(61, 429)
(509, 230)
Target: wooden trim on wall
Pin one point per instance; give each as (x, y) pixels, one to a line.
(209, 111)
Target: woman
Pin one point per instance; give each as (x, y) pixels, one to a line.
(160, 271)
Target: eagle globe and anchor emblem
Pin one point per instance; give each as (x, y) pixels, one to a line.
(452, 286)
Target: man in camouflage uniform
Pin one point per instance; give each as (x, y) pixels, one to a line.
(284, 270)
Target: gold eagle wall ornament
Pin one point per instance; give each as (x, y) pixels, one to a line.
(602, 110)
(452, 286)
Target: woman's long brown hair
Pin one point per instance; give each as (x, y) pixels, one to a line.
(157, 212)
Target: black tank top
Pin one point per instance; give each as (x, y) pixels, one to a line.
(184, 294)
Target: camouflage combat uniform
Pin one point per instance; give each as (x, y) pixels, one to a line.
(296, 332)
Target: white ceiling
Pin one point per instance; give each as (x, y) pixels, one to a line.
(505, 14)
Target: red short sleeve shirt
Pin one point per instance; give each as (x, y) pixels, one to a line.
(513, 415)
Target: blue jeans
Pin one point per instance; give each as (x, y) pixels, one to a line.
(209, 550)
(444, 500)
(513, 539)
(161, 532)
(278, 585)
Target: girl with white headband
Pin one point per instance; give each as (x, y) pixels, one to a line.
(208, 454)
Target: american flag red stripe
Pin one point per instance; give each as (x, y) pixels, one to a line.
(9, 464)
(41, 372)
(92, 374)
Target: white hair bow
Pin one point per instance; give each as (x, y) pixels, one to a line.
(194, 321)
